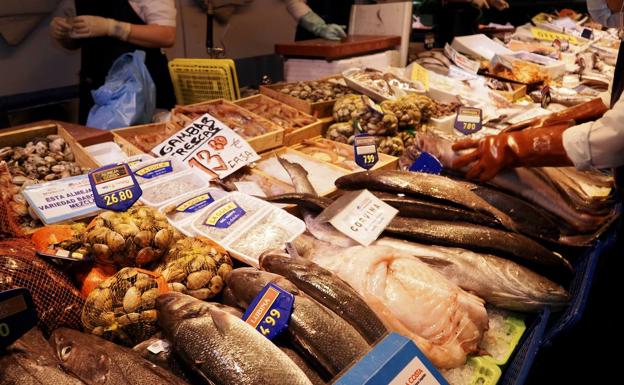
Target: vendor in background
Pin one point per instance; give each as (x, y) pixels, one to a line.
(598, 144)
(607, 12)
(105, 29)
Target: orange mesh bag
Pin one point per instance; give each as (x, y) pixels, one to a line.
(57, 301)
(123, 307)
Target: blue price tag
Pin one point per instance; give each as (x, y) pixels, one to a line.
(155, 169)
(365, 151)
(469, 120)
(426, 163)
(394, 360)
(114, 187)
(225, 215)
(17, 315)
(270, 311)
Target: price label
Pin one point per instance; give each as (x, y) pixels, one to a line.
(468, 120)
(426, 163)
(360, 215)
(587, 33)
(420, 74)
(17, 315)
(543, 34)
(365, 151)
(395, 360)
(270, 311)
(114, 187)
(546, 97)
(210, 146)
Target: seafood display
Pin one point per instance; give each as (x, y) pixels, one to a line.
(279, 113)
(257, 278)
(40, 160)
(316, 91)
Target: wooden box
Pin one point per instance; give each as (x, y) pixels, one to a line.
(318, 109)
(22, 136)
(264, 142)
(352, 45)
(291, 136)
(519, 91)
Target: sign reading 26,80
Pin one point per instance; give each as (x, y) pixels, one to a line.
(114, 187)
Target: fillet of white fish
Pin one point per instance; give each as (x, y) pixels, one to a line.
(414, 300)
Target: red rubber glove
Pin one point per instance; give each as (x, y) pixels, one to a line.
(532, 147)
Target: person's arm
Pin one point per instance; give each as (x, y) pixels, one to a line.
(601, 13)
(152, 35)
(312, 22)
(598, 144)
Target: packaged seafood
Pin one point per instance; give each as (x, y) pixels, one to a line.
(167, 188)
(283, 115)
(380, 85)
(123, 307)
(247, 226)
(196, 266)
(151, 170)
(190, 204)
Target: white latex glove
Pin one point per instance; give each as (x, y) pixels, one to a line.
(481, 4)
(499, 4)
(86, 26)
(60, 28)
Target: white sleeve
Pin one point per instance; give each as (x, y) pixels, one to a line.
(160, 12)
(297, 8)
(601, 13)
(598, 144)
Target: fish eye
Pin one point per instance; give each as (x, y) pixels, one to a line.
(66, 351)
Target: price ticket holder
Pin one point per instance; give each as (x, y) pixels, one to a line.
(17, 315)
(395, 360)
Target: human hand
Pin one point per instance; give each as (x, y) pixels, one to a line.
(332, 32)
(499, 4)
(60, 28)
(481, 4)
(86, 26)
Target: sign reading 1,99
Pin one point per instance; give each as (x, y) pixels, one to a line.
(114, 187)
(468, 120)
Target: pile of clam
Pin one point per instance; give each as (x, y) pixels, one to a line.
(316, 91)
(42, 159)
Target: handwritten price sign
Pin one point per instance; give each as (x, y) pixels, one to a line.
(209, 145)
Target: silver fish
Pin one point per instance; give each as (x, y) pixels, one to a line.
(221, 347)
(320, 334)
(499, 281)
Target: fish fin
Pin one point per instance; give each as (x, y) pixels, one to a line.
(220, 320)
(431, 261)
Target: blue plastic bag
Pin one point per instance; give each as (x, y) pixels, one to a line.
(128, 96)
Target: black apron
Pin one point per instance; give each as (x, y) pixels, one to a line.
(616, 93)
(99, 53)
(333, 12)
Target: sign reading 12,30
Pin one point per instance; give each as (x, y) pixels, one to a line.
(114, 187)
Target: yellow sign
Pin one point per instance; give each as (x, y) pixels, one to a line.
(543, 34)
(420, 74)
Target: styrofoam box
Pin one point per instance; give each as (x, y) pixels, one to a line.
(106, 153)
(296, 70)
(554, 68)
(479, 46)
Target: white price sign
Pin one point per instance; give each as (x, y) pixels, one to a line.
(209, 145)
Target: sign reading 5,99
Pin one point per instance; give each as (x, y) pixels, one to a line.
(114, 187)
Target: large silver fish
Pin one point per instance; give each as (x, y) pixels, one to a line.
(328, 289)
(99, 362)
(31, 361)
(423, 185)
(222, 347)
(320, 334)
(498, 281)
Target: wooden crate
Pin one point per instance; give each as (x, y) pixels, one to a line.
(519, 91)
(386, 162)
(295, 135)
(24, 135)
(267, 141)
(319, 109)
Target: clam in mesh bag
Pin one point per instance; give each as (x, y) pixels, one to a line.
(123, 307)
(57, 301)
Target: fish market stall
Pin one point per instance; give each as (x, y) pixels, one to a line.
(297, 235)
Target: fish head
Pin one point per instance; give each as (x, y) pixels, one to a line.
(245, 283)
(174, 307)
(274, 262)
(79, 356)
